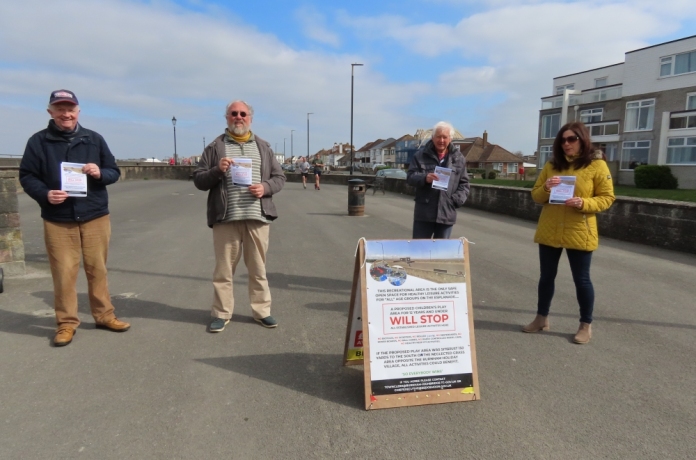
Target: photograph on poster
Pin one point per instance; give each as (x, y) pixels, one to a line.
(419, 324)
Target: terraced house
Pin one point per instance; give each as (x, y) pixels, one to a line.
(640, 111)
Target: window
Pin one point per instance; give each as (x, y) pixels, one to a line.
(599, 82)
(666, 66)
(604, 129)
(550, 124)
(545, 153)
(639, 115)
(682, 122)
(611, 152)
(562, 88)
(512, 168)
(681, 150)
(678, 64)
(691, 101)
(591, 115)
(634, 154)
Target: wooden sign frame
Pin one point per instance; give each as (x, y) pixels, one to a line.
(359, 299)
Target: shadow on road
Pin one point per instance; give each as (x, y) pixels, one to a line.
(318, 376)
(531, 313)
(340, 307)
(303, 282)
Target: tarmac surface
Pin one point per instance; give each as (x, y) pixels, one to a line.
(167, 389)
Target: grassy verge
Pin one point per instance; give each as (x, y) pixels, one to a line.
(619, 190)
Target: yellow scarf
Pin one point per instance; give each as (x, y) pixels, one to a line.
(239, 139)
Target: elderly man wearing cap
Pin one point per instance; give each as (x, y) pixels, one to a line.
(74, 226)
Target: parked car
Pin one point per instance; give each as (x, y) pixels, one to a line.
(392, 173)
(378, 165)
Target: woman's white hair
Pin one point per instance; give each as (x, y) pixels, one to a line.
(443, 125)
(251, 109)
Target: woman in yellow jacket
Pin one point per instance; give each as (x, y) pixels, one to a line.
(571, 225)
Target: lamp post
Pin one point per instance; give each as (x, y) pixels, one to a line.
(203, 142)
(292, 153)
(176, 159)
(308, 114)
(352, 149)
(284, 147)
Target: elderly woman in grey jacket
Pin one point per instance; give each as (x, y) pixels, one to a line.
(435, 211)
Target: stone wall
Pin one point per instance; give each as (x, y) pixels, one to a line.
(147, 171)
(11, 244)
(667, 224)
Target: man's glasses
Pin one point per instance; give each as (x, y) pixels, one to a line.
(569, 139)
(234, 113)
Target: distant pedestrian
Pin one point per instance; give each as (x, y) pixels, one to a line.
(304, 170)
(317, 164)
(435, 211)
(571, 226)
(75, 227)
(240, 216)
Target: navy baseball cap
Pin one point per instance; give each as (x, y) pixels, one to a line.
(63, 95)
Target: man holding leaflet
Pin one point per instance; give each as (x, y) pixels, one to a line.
(438, 195)
(75, 224)
(240, 214)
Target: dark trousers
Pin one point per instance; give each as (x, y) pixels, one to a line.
(426, 230)
(580, 267)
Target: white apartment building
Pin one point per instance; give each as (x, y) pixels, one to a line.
(640, 111)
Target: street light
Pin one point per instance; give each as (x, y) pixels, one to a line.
(203, 142)
(284, 147)
(308, 114)
(352, 149)
(292, 153)
(176, 159)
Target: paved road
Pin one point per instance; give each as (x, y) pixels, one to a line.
(168, 389)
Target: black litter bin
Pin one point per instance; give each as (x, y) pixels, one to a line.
(356, 197)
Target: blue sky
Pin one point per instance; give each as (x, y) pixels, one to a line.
(416, 249)
(481, 65)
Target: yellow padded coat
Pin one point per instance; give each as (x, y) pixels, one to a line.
(563, 226)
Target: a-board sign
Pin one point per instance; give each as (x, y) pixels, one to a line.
(411, 323)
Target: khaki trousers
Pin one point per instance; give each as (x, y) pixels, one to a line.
(65, 243)
(230, 241)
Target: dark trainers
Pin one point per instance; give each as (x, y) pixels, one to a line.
(218, 325)
(268, 321)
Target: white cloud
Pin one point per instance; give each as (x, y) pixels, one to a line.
(134, 65)
(314, 27)
(510, 52)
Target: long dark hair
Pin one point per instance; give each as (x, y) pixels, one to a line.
(586, 154)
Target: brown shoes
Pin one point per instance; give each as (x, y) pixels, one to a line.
(114, 325)
(584, 334)
(64, 335)
(540, 323)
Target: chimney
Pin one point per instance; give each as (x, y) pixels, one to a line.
(485, 139)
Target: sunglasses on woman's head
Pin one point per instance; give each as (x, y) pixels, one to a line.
(569, 139)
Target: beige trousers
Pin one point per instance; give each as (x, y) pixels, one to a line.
(230, 241)
(66, 243)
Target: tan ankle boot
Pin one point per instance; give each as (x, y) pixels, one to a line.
(584, 333)
(540, 323)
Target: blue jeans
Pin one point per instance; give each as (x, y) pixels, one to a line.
(425, 230)
(580, 267)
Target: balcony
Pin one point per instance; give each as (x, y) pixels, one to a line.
(605, 128)
(588, 96)
(682, 120)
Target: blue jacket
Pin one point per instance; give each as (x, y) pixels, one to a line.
(433, 205)
(39, 172)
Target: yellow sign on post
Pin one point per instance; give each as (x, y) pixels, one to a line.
(414, 332)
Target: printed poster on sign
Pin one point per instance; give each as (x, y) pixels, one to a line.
(354, 341)
(72, 179)
(419, 325)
